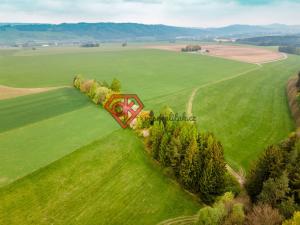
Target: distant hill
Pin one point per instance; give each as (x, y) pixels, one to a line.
(244, 31)
(93, 32)
(11, 33)
(287, 40)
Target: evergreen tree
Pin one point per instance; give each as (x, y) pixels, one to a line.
(275, 190)
(189, 171)
(151, 119)
(164, 150)
(287, 207)
(175, 151)
(212, 179)
(288, 149)
(157, 132)
(294, 174)
(269, 165)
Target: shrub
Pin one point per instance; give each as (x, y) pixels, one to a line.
(237, 216)
(226, 197)
(77, 81)
(210, 216)
(219, 211)
(287, 207)
(293, 221)
(143, 120)
(274, 190)
(232, 185)
(86, 86)
(93, 89)
(263, 215)
(101, 94)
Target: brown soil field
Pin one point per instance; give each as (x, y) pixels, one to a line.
(234, 52)
(11, 92)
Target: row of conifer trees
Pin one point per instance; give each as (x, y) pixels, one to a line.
(196, 159)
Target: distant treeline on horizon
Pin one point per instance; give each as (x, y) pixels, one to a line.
(12, 33)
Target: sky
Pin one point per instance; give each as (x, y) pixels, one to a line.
(187, 13)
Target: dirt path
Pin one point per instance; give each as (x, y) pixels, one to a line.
(180, 220)
(191, 99)
(239, 176)
(11, 92)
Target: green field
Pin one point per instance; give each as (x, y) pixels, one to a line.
(249, 112)
(46, 126)
(112, 179)
(42, 128)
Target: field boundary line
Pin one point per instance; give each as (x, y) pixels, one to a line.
(192, 96)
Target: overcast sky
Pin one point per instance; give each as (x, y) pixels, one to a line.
(191, 13)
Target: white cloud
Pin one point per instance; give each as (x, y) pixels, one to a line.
(196, 13)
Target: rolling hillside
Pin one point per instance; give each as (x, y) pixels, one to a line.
(109, 181)
(44, 127)
(54, 172)
(31, 34)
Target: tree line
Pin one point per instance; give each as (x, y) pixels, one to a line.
(288, 40)
(195, 159)
(274, 179)
(97, 91)
(273, 188)
(289, 49)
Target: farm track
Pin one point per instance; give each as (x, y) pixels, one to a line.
(182, 220)
(192, 96)
(239, 176)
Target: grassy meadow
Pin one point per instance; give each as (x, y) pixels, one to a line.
(111, 181)
(249, 112)
(65, 160)
(46, 126)
(49, 126)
